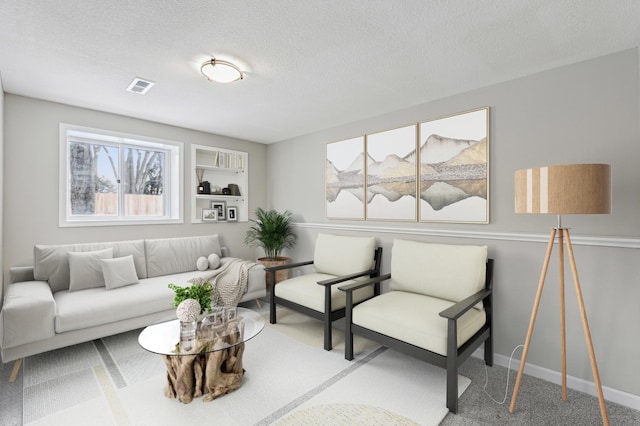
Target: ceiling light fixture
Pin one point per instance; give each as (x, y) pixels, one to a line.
(221, 71)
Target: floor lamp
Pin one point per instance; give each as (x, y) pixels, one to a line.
(560, 190)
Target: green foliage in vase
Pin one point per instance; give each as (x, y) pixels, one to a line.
(200, 292)
(272, 231)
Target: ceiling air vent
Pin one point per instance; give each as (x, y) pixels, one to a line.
(140, 86)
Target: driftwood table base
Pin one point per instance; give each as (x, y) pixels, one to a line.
(211, 374)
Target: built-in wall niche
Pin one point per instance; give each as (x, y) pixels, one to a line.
(219, 185)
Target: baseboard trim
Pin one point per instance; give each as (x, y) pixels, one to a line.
(575, 383)
(584, 240)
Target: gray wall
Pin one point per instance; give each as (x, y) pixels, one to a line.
(1, 186)
(31, 177)
(587, 112)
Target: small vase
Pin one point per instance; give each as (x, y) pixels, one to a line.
(188, 335)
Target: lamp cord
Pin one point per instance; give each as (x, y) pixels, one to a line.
(506, 390)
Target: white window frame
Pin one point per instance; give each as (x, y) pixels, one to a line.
(174, 172)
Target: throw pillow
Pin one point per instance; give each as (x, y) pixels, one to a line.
(119, 272)
(85, 269)
(202, 264)
(214, 261)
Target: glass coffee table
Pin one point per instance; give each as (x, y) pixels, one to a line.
(209, 365)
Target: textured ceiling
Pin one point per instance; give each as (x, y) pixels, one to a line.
(310, 64)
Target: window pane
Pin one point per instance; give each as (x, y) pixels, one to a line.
(109, 178)
(143, 182)
(93, 183)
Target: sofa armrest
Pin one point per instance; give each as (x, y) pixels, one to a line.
(18, 274)
(27, 314)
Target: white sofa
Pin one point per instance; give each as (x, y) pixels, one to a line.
(48, 305)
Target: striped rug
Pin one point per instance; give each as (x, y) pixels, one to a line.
(112, 381)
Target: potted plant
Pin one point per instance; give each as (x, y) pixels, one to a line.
(200, 292)
(272, 231)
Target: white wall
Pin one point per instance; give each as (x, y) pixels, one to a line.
(31, 176)
(586, 112)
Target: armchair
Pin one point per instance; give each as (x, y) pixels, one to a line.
(438, 309)
(337, 260)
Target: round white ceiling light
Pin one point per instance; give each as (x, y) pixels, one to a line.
(221, 71)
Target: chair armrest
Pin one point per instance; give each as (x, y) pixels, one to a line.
(360, 284)
(288, 266)
(456, 311)
(344, 278)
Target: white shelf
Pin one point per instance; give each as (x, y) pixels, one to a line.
(207, 158)
(218, 169)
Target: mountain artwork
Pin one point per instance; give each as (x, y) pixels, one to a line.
(445, 179)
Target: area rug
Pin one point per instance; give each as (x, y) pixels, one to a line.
(114, 381)
(310, 331)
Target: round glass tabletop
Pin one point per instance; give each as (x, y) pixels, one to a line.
(214, 333)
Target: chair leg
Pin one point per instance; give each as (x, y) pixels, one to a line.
(348, 344)
(452, 385)
(348, 330)
(488, 351)
(328, 344)
(327, 318)
(272, 305)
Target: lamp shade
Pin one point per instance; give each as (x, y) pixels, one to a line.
(564, 189)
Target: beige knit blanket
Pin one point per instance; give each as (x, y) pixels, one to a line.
(229, 281)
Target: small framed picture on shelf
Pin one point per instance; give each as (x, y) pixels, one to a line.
(232, 214)
(209, 215)
(221, 206)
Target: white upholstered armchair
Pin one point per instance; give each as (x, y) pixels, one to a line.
(438, 307)
(337, 260)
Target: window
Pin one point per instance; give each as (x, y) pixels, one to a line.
(109, 178)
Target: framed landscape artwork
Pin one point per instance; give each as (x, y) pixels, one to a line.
(454, 168)
(344, 179)
(209, 215)
(391, 174)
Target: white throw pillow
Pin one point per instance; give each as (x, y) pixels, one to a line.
(119, 272)
(214, 261)
(202, 264)
(85, 269)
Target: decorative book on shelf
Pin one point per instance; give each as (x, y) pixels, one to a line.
(228, 160)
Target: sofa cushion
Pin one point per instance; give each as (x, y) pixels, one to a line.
(85, 269)
(340, 255)
(305, 291)
(96, 306)
(119, 272)
(176, 255)
(451, 272)
(51, 261)
(414, 319)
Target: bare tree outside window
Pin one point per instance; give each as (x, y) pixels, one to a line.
(112, 178)
(95, 180)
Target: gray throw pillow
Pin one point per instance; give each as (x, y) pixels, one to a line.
(85, 269)
(119, 272)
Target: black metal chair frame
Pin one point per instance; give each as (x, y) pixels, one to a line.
(328, 316)
(455, 356)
